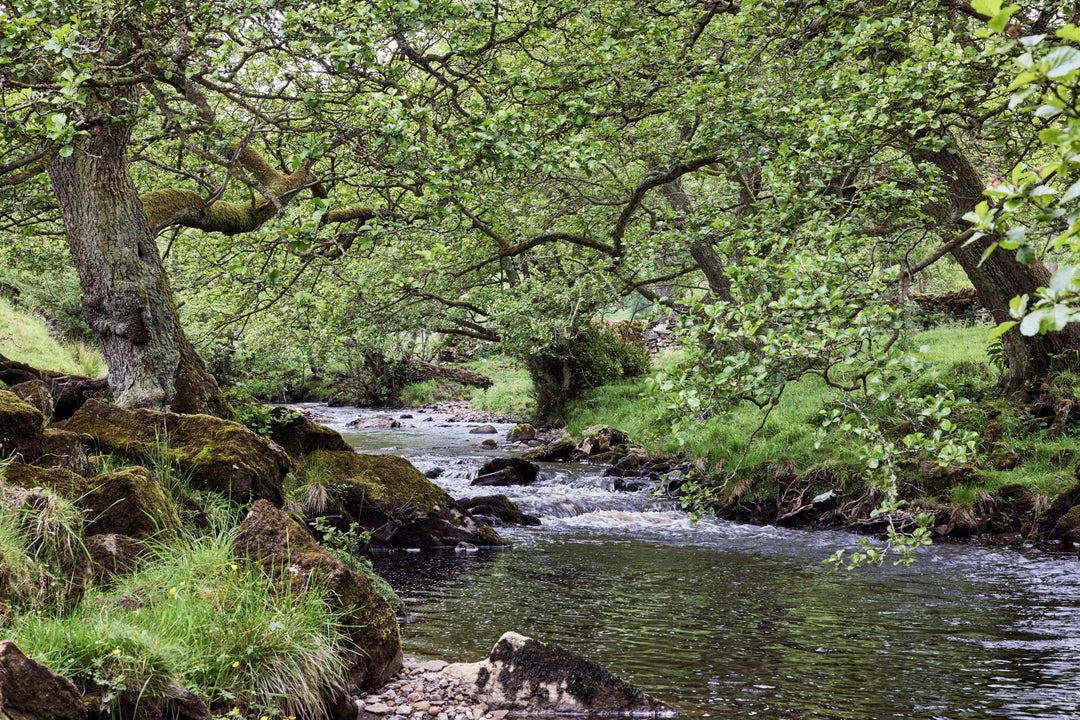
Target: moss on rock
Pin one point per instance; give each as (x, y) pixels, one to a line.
(285, 549)
(220, 455)
(398, 504)
(21, 428)
(63, 482)
(130, 502)
(64, 449)
(299, 435)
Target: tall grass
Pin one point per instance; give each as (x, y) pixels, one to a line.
(25, 337)
(205, 621)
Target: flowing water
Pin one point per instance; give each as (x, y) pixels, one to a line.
(733, 621)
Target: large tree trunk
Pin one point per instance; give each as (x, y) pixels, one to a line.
(999, 278)
(127, 300)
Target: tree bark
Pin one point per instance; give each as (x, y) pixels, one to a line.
(999, 278)
(127, 300)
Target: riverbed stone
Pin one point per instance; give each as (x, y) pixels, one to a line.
(484, 430)
(562, 450)
(507, 471)
(525, 674)
(286, 550)
(498, 506)
(521, 432)
(374, 423)
(219, 455)
(388, 496)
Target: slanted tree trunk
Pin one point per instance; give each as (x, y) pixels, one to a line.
(999, 278)
(127, 300)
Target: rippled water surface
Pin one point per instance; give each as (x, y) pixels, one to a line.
(735, 621)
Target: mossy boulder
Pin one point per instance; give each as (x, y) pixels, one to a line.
(300, 435)
(219, 455)
(500, 507)
(561, 450)
(31, 691)
(507, 471)
(113, 555)
(130, 502)
(63, 482)
(1053, 524)
(603, 440)
(64, 449)
(22, 428)
(397, 503)
(521, 433)
(36, 393)
(285, 549)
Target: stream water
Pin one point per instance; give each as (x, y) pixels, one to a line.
(733, 621)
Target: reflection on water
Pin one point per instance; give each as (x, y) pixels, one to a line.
(733, 621)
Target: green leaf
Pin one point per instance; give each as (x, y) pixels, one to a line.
(1001, 19)
(1025, 254)
(1069, 32)
(1061, 61)
(989, 8)
(1001, 330)
(1072, 193)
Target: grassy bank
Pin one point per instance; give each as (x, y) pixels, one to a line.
(26, 337)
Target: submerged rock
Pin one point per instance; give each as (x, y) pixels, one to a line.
(390, 497)
(374, 423)
(220, 455)
(525, 674)
(484, 430)
(286, 549)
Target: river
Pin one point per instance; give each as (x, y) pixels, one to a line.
(734, 621)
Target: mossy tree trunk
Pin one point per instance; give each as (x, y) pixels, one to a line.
(999, 278)
(127, 300)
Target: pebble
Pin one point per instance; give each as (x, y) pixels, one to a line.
(420, 692)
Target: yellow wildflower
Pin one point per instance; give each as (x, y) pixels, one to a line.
(172, 591)
(236, 663)
(116, 651)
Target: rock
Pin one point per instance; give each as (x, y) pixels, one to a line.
(1003, 458)
(521, 433)
(498, 506)
(113, 555)
(130, 502)
(64, 449)
(561, 450)
(31, 691)
(631, 484)
(36, 393)
(219, 455)
(401, 507)
(1057, 522)
(601, 439)
(526, 674)
(63, 482)
(1018, 497)
(433, 473)
(506, 471)
(276, 541)
(374, 423)
(181, 704)
(489, 443)
(299, 435)
(22, 431)
(484, 430)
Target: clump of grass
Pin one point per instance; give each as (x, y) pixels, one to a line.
(25, 337)
(418, 394)
(205, 621)
(511, 392)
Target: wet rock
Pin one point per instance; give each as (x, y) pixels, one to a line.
(285, 549)
(433, 473)
(601, 440)
(130, 502)
(484, 430)
(21, 429)
(498, 506)
(507, 471)
(219, 455)
(490, 443)
(631, 484)
(299, 435)
(390, 497)
(526, 674)
(521, 433)
(561, 450)
(379, 422)
(31, 691)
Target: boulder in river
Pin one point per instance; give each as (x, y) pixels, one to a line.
(525, 674)
(521, 433)
(561, 450)
(484, 430)
(379, 422)
(498, 506)
(388, 496)
(507, 471)
(220, 455)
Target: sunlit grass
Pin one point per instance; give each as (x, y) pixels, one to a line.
(25, 337)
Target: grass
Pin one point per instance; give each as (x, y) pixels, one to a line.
(788, 440)
(199, 618)
(511, 393)
(25, 337)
